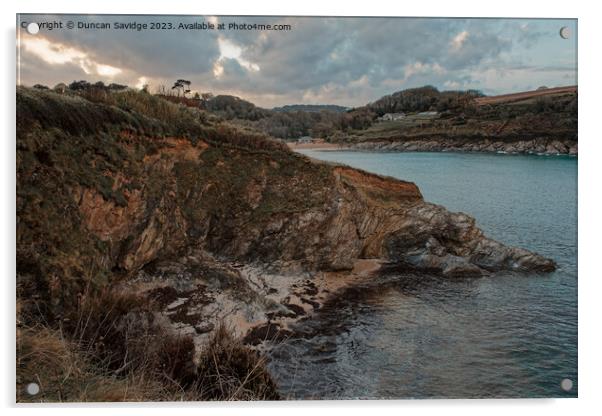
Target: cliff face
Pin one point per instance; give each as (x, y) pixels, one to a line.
(246, 207)
(94, 206)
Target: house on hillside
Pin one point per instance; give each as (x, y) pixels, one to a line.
(392, 117)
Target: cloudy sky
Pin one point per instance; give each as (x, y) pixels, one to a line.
(345, 61)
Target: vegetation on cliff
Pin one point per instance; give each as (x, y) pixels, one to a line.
(110, 348)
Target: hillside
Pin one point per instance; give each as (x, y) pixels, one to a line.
(416, 119)
(543, 122)
(150, 235)
(426, 119)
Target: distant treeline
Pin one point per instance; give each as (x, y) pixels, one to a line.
(295, 121)
(287, 124)
(426, 98)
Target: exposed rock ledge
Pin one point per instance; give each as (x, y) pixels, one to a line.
(540, 146)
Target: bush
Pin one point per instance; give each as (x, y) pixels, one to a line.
(228, 370)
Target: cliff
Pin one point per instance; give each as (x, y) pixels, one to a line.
(142, 193)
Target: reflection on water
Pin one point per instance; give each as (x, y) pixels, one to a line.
(414, 336)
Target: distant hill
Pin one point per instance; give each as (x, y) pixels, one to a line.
(543, 121)
(427, 98)
(231, 107)
(311, 108)
(288, 122)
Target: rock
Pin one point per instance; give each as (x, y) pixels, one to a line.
(354, 215)
(203, 328)
(433, 239)
(530, 146)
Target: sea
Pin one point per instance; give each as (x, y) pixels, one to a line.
(419, 336)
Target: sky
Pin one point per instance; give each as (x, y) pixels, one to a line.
(318, 60)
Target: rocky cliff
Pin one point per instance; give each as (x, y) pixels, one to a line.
(117, 192)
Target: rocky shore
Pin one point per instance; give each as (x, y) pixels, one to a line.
(539, 146)
(259, 276)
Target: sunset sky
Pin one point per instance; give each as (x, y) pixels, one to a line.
(344, 61)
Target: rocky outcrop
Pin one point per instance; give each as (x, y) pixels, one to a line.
(431, 238)
(355, 215)
(540, 146)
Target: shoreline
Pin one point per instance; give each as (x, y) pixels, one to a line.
(534, 147)
(317, 146)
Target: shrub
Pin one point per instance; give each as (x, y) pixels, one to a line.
(228, 370)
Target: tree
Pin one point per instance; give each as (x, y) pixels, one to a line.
(182, 85)
(117, 87)
(79, 85)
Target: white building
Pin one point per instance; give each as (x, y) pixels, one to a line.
(305, 139)
(392, 117)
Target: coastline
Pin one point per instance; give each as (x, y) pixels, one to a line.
(540, 146)
(317, 146)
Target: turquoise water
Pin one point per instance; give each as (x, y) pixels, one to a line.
(407, 336)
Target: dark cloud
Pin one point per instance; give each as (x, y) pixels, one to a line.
(339, 60)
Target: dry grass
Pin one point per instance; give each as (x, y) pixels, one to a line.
(228, 370)
(110, 349)
(67, 373)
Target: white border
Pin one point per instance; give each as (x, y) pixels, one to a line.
(590, 149)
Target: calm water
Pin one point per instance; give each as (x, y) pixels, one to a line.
(410, 336)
